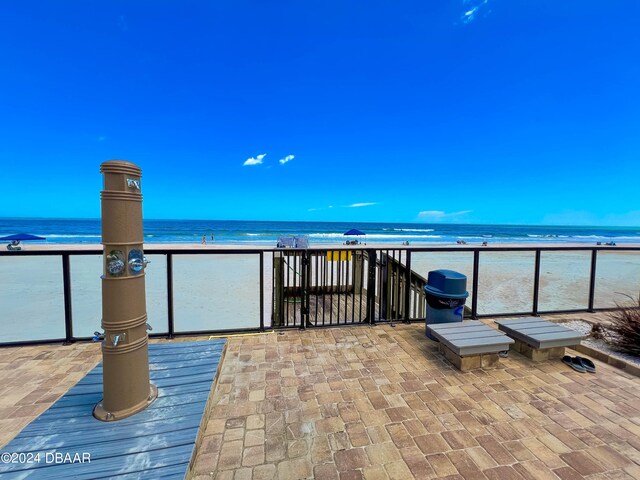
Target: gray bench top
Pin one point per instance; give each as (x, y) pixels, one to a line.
(539, 333)
(470, 337)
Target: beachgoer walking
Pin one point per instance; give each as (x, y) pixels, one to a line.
(212, 237)
(204, 239)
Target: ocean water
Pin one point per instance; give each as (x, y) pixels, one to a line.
(263, 233)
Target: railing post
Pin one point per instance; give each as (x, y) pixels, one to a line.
(384, 285)
(371, 287)
(277, 307)
(592, 279)
(474, 294)
(303, 294)
(171, 331)
(536, 284)
(262, 291)
(68, 314)
(407, 288)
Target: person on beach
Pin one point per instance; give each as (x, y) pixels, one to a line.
(212, 237)
(204, 239)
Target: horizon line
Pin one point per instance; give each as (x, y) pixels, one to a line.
(338, 221)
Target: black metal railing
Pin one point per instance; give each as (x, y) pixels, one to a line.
(320, 287)
(168, 329)
(394, 292)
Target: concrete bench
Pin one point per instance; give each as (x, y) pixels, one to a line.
(539, 339)
(470, 344)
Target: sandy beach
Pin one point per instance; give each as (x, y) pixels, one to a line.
(221, 290)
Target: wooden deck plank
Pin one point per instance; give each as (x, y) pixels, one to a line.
(155, 443)
(166, 373)
(173, 472)
(472, 329)
(558, 336)
(159, 382)
(533, 328)
(153, 359)
(108, 467)
(169, 401)
(540, 333)
(492, 340)
(84, 419)
(168, 365)
(470, 337)
(88, 398)
(335, 309)
(521, 321)
(58, 439)
(115, 446)
(176, 346)
(534, 332)
(457, 325)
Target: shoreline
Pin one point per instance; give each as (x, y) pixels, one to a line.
(375, 245)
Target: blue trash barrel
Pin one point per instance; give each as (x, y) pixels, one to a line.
(446, 293)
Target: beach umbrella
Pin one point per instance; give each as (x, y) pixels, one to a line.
(20, 237)
(353, 231)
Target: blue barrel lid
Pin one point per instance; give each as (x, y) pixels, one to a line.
(447, 283)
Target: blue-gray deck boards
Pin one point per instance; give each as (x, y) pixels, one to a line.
(540, 333)
(156, 443)
(470, 337)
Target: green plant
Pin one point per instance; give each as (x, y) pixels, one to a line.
(623, 333)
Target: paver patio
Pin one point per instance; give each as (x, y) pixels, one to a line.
(376, 403)
(381, 402)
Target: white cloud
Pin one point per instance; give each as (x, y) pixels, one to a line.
(436, 215)
(286, 159)
(472, 8)
(254, 161)
(318, 208)
(353, 205)
(432, 214)
(356, 205)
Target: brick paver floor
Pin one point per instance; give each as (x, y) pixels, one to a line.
(375, 403)
(381, 403)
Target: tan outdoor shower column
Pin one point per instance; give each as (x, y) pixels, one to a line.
(125, 364)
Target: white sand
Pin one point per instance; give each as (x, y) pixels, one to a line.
(221, 291)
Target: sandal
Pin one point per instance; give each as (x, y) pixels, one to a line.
(587, 364)
(574, 363)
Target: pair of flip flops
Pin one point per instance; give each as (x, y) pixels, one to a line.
(579, 364)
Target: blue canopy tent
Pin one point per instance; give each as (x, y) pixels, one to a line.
(17, 238)
(353, 231)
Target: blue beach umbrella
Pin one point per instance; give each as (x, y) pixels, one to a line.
(21, 237)
(353, 231)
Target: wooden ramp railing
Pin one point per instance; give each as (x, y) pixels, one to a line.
(323, 287)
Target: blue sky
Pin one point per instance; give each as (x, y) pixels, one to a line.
(490, 111)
